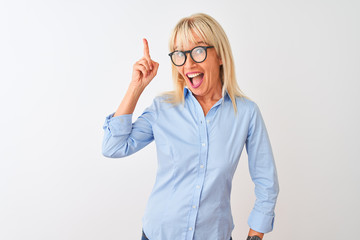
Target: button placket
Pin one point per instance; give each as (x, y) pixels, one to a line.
(194, 207)
(203, 155)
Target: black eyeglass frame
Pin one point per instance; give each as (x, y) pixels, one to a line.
(190, 51)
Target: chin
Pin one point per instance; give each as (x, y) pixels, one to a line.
(197, 91)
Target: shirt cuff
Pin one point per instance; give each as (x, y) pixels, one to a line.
(260, 222)
(119, 125)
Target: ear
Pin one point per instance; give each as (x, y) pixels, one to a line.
(220, 61)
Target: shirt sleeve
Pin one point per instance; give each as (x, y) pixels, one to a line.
(123, 138)
(263, 173)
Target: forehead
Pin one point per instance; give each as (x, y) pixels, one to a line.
(188, 40)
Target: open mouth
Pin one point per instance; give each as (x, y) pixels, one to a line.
(195, 79)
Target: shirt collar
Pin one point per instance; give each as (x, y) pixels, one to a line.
(225, 97)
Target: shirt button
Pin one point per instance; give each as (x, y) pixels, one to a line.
(197, 186)
(208, 121)
(190, 228)
(203, 144)
(194, 206)
(201, 166)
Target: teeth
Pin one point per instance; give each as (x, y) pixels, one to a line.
(193, 75)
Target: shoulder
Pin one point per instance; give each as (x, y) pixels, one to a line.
(161, 103)
(246, 104)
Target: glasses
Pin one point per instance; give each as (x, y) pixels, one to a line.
(198, 54)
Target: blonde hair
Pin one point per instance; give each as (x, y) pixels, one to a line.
(210, 31)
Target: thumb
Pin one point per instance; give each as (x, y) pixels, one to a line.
(155, 68)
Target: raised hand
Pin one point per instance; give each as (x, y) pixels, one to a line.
(145, 69)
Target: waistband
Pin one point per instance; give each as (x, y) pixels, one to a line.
(144, 237)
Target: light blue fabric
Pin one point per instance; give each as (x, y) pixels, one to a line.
(197, 158)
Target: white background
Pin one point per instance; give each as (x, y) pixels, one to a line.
(65, 65)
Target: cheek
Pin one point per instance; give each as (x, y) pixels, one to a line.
(181, 72)
(178, 69)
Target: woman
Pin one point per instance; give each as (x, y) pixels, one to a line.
(200, 130)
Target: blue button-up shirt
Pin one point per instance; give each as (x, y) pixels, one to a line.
(197, 157)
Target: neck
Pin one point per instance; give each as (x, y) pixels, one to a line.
(208, 100)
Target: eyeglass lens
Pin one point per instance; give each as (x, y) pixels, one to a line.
(198, 54)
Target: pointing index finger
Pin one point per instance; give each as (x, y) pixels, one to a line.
(147, 53)
(146, 49)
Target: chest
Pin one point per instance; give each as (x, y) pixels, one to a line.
(185, 130)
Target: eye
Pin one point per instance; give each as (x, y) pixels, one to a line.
(198, 51)
(178, 54)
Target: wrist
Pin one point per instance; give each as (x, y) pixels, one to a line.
(129, 101)
(135, 89)
(134, 92)
(254, 237)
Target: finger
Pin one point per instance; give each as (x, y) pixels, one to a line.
(146, 48)
(155, 69)
(147, 52)
(142, 69)
(145, 62)
(156, 66)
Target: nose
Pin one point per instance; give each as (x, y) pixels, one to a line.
(189, 61)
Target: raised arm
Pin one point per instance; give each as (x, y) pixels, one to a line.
(121, 136)
(144, 71)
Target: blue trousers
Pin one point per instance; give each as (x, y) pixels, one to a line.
(145, 238)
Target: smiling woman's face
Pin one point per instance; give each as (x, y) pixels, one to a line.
(203, 79)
